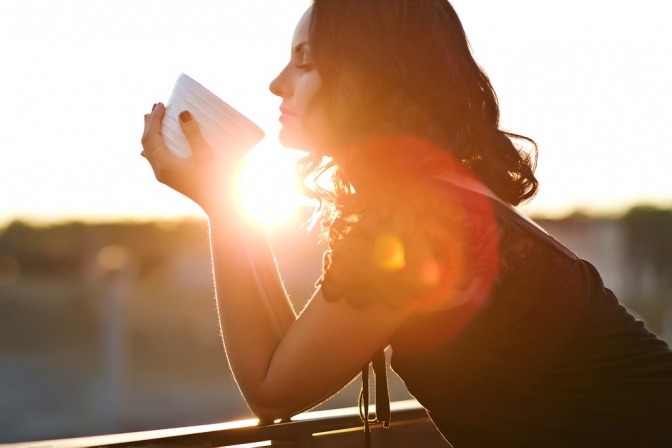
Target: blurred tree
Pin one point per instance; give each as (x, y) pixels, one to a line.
(649, 234)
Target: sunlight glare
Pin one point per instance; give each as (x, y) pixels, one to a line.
(269, 191)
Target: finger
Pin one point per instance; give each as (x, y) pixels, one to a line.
(148, 115)
(199, 147)
(152, 141)
(155, 119)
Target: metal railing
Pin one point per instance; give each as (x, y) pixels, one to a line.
(340, 428)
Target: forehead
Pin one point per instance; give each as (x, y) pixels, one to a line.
(301, 30)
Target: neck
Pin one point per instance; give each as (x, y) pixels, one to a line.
(380, 162)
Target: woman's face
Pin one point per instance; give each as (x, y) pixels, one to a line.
(297, 84)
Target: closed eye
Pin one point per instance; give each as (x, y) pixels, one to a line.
(305, 67)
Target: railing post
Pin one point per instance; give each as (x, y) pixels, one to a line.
(114, 270)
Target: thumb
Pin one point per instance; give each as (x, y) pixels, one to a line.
(199, 147)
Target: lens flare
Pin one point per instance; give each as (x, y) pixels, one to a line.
(268, 190)
(443, 254)
(388, 252)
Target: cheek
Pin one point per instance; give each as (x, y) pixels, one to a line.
(306, 89)
(313, 123)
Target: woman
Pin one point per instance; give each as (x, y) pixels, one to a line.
(504, 335)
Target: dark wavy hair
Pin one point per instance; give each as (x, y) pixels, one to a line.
(418, 76)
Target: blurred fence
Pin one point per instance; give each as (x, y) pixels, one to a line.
(112, 327)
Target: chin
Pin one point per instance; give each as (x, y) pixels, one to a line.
(289, 138)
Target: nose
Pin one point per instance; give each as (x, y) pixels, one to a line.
(275, 88)
(279, 86)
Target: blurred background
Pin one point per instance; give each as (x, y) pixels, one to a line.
(107, 317)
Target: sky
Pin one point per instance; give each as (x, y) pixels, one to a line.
(588, 80)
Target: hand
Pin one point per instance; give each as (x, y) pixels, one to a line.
(205, 177)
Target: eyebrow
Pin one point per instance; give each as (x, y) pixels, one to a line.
(300, 46)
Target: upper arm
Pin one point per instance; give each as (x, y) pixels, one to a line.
(418, 255)
(353, 314)
(324, 349)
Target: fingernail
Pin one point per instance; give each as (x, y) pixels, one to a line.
(185, 116)
(154, 106)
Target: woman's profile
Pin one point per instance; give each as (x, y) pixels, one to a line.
(505, 336)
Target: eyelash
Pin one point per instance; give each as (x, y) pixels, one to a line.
(305, 67)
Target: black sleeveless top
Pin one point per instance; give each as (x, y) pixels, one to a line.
(518, 342)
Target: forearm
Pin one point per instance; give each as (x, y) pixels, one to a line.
(255, 313)
(254, 310)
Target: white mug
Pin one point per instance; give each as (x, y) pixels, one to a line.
(222, 126)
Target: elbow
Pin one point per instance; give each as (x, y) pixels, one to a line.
(270, 409)
(278, 400)
(268, 414)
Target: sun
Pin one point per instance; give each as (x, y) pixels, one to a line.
(269, 192)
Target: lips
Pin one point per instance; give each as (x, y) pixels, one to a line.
(286, 114)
